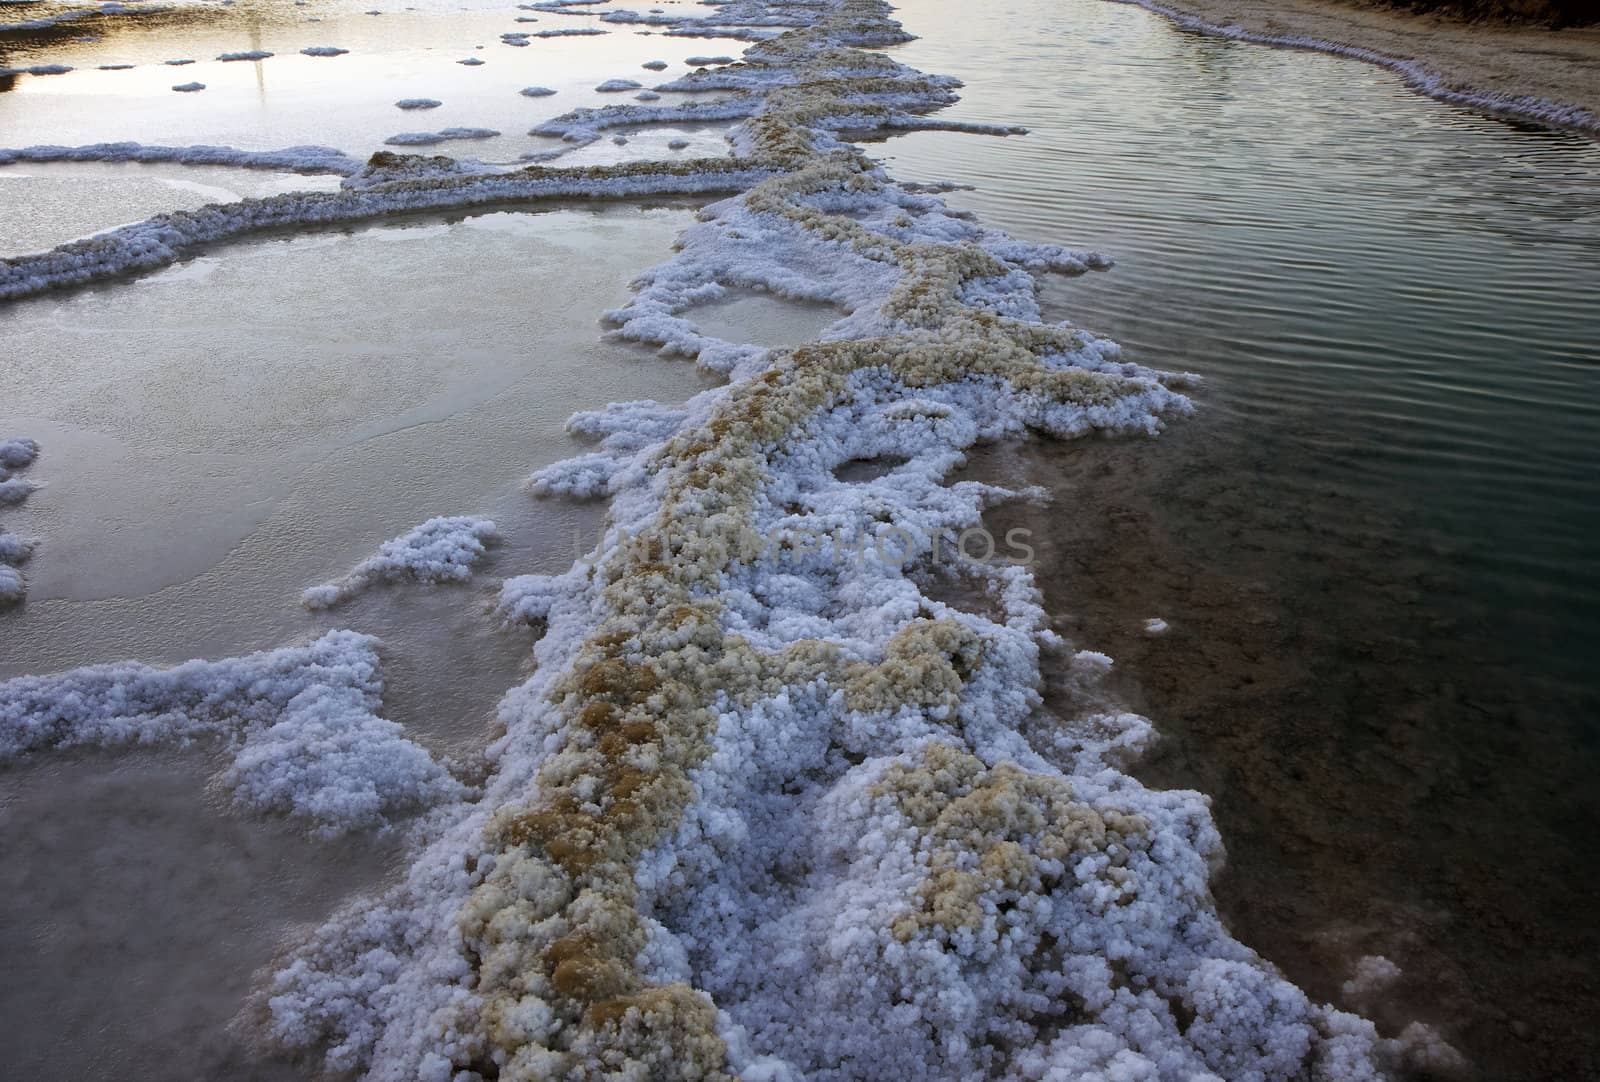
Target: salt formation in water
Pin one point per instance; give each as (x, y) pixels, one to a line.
(440, 550)
(189, 88)
(254, 54)
(429, 138)
(300, 724)
(707, 61)
(654, 65)
(766, 808)
(323, 50)
(612, 86)
(177, 63)
(536, 91)
(569, 32)
(418, 103)
(471, 61)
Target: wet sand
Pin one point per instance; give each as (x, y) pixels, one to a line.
(1558, 66)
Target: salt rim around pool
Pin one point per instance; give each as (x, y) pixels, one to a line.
(766, 808)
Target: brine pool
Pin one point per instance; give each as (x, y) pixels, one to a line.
(1375, 545)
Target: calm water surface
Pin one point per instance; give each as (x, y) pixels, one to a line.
(1377, 541)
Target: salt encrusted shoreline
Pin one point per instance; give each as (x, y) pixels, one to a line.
(775, 810)
(1547, 76)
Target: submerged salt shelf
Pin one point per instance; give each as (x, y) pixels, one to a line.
(769, 804)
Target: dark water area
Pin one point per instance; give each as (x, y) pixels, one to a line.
(1376, 541)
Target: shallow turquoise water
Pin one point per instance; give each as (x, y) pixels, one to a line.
(1377, 540)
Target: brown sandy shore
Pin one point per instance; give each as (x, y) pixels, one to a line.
(1551, 76)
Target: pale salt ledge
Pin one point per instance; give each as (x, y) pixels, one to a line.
(440, 550)
(471, 62)
(323, 50)
(255, 54)
(189, 88)
(569, 32)
(38, 69)
(1415, 74)
(418, 103)
(429, 138)
(299, 159)
(612, 86)
(300, 724)
(536, 92)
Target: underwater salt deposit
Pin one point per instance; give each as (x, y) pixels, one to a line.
(780, 797)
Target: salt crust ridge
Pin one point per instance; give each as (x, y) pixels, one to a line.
(767, 809)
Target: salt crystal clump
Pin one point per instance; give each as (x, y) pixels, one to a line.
(429, 138)
(654, 65)
(300, 724)
(440, 550)
(18, 452)
(13, 588)
(612, 86)
(536, 91)
(253, 54)
(1373, 975)
(323, 50)
(189, 88)
(418, 103)
(13, 490)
